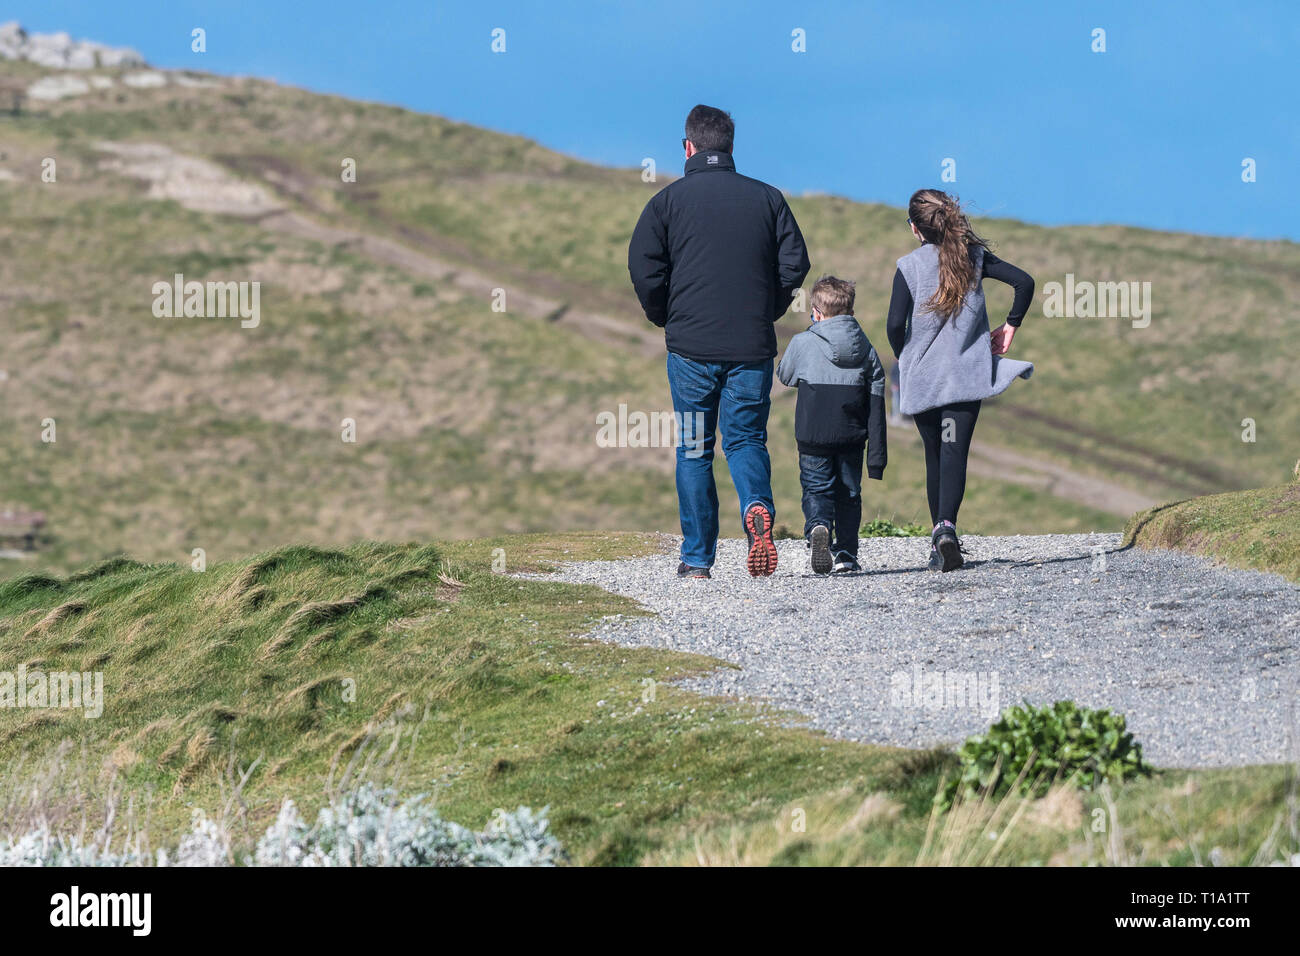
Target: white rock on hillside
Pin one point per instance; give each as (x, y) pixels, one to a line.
(145, 79)
(193, 82)
(12, 39)
(194, 183)
(59, 51)
(57, 87)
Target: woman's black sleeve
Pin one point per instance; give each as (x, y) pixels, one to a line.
(1019, 280)
(900, 309)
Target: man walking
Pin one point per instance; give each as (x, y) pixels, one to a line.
(716, 259)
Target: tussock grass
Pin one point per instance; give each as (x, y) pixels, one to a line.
(57, 616)
(27, 585)
(111, 566)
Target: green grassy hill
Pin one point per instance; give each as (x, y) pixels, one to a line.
(176, 434)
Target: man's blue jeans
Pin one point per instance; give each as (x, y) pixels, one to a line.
(706, 395)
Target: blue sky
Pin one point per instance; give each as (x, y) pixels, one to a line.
(1152, 132)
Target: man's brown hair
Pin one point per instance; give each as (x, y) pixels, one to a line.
(710, 128)
(832, 296)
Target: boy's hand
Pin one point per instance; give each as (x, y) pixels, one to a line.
(1001, 337)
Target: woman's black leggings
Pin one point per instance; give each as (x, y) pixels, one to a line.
(946, 432)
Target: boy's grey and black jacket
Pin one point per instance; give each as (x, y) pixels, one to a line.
(841, 390)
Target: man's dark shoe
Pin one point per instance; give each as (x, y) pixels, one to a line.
(944, 539)
(762, 549)
(846, 563)
(684, 570)
(820, 540)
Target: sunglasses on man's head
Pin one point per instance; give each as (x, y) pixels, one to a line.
(684, 142)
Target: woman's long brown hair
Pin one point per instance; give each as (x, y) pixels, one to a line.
(940, 221)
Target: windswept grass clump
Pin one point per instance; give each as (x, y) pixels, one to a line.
(1258, 529)
(194, 661)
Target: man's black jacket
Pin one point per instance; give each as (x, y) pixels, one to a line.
(716, 258)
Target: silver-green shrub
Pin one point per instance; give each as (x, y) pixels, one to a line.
(364, 827)
(41, 847)
(368, 827)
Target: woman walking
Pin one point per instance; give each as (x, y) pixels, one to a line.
(948, 360)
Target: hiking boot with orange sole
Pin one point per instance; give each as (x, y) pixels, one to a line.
(762, 549)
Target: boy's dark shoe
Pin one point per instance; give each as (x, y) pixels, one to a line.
(762, 549)
(944, 539)
(936, 560)
(684, 570)
(820, 540)
(846, 563)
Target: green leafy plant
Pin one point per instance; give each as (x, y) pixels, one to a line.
(884, 528)
(1030, 748)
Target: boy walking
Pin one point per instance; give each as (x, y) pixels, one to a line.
(839, 416)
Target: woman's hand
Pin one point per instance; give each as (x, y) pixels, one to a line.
(1001, 338)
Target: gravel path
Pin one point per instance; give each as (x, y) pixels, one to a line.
(1203, 660)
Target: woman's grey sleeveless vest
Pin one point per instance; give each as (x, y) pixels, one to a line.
(947, 361)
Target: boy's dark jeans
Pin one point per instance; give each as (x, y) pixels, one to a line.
(832, 494)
